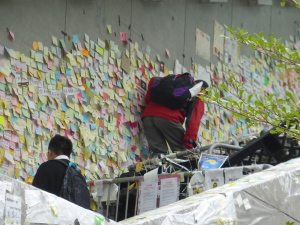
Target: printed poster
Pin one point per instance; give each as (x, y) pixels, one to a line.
(218, 44)
(153, 194)
(202, 44)
(211, 161)
(231, 47)
(147, 196)
(169, 189)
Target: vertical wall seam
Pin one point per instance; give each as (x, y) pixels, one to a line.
(184, 29)
(65, 28)
(270, 31)
(231, 12)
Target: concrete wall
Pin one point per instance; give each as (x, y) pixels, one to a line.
(169, 24)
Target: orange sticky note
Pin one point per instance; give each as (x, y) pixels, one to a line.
(109, 162)
(35, 45)
(85, 52)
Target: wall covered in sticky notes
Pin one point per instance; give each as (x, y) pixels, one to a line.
(80, 69)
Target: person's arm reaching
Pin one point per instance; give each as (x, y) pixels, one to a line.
(193, 122)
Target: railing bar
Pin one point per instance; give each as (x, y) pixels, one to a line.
(118, 199)
(108, 200)
(127, 197)
(136, 200)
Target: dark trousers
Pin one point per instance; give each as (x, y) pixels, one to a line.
(158, 131)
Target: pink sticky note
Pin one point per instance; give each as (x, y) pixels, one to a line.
(2, 95)
(79, 96)
(123, 36)
(167, 53)
(49, 65)
(110, 67)
(14, 101)
(12, 35)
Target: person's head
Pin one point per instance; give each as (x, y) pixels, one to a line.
(59, 145)
(204, 84)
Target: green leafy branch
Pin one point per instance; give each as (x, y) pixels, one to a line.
(294, 2)
(283, 114)
(273, 47)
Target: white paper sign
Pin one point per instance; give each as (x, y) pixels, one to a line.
(168, 191)
(13, 209)
(2, 198)
(147, 196)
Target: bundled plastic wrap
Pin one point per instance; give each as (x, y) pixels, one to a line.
(269, 197)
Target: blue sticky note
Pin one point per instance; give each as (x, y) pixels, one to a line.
(53, 82)
(127, 139)
(130, 96)
(93, 126)
(63, 107)
(106, 76)
(75, 38)
(109, 148)
(57, 75)
(38, 131)
(92, 147)
(68, 71)
(119, 84)
(145, 151)
(92, 72)
(83, 95)
(86, 118)
(14, 119)
(132, 155)
(73, 127)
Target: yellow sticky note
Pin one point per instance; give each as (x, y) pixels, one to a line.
(54, 209)
(1, 120)
(139, 166)
(109, 29)
(58, 85)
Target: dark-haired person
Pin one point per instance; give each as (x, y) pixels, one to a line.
(49, 176)
(163, 125)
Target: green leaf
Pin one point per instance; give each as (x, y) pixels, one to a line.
(250, 97)
(280, 65)
(282, 4)
(224, 87)
(258, 103)
(289, 94)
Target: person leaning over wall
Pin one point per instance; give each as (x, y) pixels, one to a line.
(164, 125)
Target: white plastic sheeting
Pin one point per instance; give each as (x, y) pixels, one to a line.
(269, 197)
(23, 204)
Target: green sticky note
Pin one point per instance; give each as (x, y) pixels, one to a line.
(2, 87)
(157, 57)
(26, 113)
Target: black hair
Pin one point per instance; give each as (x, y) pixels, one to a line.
(61, 145)
(205, 84)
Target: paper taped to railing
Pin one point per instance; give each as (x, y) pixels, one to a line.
(211, 161)
(213, 178)
(151, 176)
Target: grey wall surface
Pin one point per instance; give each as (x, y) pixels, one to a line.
(168, 24)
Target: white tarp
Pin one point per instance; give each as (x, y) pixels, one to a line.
(21, 203)
(268, 197)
